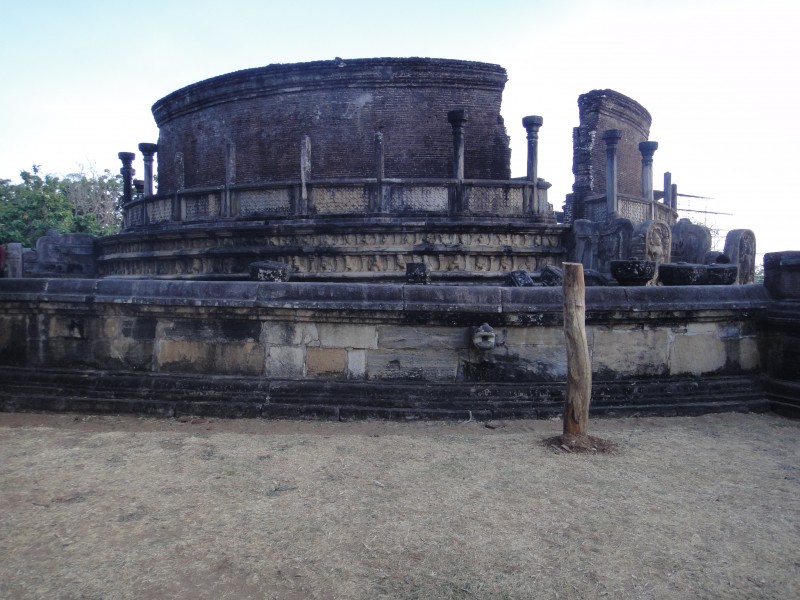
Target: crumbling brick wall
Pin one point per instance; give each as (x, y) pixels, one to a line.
(601, 110)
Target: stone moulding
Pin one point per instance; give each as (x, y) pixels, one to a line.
(371, 249)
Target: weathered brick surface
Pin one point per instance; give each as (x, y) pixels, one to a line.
(264, 112)
(601, 110)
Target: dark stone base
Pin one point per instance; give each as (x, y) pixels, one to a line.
(243, 397)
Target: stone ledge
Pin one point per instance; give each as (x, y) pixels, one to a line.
(220, 396)
(535, 306)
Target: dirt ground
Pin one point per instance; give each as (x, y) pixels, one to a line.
(126, 507)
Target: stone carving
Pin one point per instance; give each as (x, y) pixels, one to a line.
(520, 278)
(613, 242)
(651, 240)
(740, 247)
(417, 273)
(483, 337)
(690, 242)
(584, 235)
(61, 255)
(552, 276)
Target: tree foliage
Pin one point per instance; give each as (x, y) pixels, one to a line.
(78, 203)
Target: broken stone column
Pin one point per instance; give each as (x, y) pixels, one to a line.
(611, 138)
(668, 199)
(127, 172)
(531, 124)
(648, 149)
(14, 259)
(148, 150)
(740, 248)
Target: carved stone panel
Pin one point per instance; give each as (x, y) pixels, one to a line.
(264, 202)
(613, 243)
(344, 200)
(651, 240)
(690, 242)
(740, 248)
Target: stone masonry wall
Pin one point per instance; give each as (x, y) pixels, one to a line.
(371, 332)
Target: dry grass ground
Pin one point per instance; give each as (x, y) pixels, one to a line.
(125, 507)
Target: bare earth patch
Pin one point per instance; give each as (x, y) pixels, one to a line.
(126, 507)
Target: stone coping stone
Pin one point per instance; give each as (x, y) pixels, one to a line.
(447, 299)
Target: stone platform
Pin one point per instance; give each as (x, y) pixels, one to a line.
(345, 351)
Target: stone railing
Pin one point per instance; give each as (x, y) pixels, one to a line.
(633, 208)
(344, 197)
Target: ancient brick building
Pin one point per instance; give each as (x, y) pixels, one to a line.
(262, 114)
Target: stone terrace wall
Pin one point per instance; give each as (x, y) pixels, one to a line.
(254, 119)
(376, 348)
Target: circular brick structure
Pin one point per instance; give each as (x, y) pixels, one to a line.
(340, 170)
(263, 113)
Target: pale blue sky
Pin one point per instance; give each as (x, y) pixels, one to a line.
(719, 77)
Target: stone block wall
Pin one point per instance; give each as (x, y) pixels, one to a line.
(397, 342)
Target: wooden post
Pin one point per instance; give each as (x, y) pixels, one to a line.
(579, 368)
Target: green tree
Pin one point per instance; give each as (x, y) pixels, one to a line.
(78, 203)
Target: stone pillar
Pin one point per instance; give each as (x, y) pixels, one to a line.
(230, 179)
(612, 138)
(457, 119)
(647, 150)
(127, 176)
(377, 199)
(531, 124)
(180, 170)
(379, 157)
(148, 150)
(178, 202)
(668, 200)
(305, 172)
(673, 195)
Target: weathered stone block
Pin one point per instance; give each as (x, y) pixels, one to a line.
(405, 337)
(326, 362)
(782, 274)
(347, 335)
(200, 356)
(629, 352)
(285, 361)
(419, 364)
(535, 336)
(749, 358)
(698, 351)
(233, 330)
(290, 334)
(356, 364)
(66, 327)
(13, 340)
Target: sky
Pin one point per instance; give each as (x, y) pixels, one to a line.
(78, 79)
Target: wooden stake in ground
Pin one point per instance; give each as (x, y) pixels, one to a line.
(579, 368)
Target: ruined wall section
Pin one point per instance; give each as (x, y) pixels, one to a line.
(261, 114)
(601, 110)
